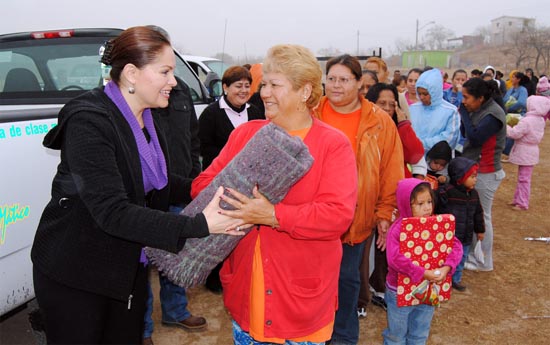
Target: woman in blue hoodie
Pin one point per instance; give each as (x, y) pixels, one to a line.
(434, 119)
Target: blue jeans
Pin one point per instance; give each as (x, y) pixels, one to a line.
(173, 300)
(406, 325)
(241, 337)
(346, 323)
(457, 276)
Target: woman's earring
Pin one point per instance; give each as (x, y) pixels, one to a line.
(131, 90)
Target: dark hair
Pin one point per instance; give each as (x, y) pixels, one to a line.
(349, 61)
(476, 72)
(478, 88)
(374, 93)
(372, 74)
(247, 66)
(236, 73)
(499, 74)
(459, 71)
(415, 70)
(139, 45)
(422, 187)
(397, 80)
(523, 79)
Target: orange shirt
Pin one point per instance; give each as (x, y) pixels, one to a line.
(257, 297)
(347, 123)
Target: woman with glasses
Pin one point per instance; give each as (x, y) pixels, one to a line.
(379, 161)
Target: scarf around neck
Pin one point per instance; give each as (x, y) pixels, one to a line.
(153, 164)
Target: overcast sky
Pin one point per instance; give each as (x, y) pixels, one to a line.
(198, 26)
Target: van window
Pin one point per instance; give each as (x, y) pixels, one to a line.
(185, 73)
(53, 71)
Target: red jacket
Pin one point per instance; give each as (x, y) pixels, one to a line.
(413, 149)
(301, 259)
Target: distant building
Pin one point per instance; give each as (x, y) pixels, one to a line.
(503, 28)
(466, 41)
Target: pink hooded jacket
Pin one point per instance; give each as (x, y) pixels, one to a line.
(528, 132)
(397, 262)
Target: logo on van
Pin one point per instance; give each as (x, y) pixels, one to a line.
(10, 215)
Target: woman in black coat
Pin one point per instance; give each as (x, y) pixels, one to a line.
(219, 119)
(89, 268)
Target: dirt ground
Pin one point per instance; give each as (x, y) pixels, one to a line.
(510, 305)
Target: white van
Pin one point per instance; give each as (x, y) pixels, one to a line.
(39, 73)
(202, 65)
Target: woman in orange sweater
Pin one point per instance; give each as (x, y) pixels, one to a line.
(379, 160)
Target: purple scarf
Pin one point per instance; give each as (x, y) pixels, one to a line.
(153, 164)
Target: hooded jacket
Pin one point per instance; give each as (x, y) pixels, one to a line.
(480, 145)
(441, 150)
(92, 231)
(462, 203)
(379, 159)
(439, 120)
(397, 262)
(529, 131)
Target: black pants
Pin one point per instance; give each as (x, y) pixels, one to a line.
(73, 316)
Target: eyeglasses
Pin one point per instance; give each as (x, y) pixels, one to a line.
(341, 80)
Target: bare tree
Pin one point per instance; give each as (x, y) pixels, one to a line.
(519, 48)
(436, 36)
(538, 41)
(485, 32)
(228, 59)
(402, 45)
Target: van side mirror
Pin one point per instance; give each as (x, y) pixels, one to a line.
(215, 88)
(213, 83)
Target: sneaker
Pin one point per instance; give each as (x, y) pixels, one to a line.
(379, 302)
(362, 312)
(459, 287)
(192, 323)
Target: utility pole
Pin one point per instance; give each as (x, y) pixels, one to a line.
(357, 43)
(418, 29)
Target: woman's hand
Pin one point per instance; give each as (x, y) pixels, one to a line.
(480, 236)
(249, 211)
(382, 227)
(219, 223)
(401, 115)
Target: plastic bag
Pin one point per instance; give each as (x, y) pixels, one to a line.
(478, 253)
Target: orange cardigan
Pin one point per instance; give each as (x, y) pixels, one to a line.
(379, 159)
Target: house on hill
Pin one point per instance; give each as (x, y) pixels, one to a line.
(503, 28)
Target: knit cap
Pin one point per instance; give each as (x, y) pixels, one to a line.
(543, 87)
(460, 168)
(473, 169)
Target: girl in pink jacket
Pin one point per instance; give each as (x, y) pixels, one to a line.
(527, 134)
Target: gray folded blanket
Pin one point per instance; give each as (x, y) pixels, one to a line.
(272, 159)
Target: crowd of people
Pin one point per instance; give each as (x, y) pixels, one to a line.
(133, 155)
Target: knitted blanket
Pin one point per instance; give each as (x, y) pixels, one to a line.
(275, 161)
